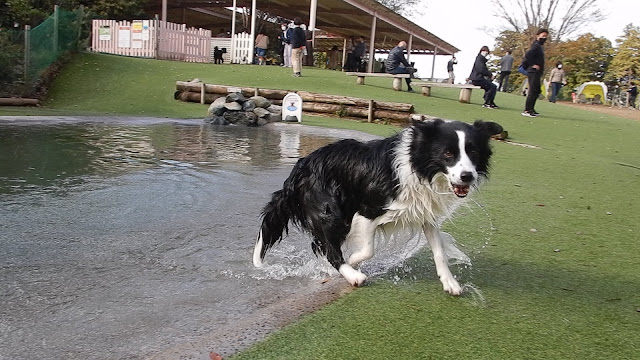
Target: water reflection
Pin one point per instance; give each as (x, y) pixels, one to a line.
(53, 156)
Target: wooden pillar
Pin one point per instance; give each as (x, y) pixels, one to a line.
(344, 53)
(409, 46)
(202, 92)
(372, 44)
(370, 112)
(164, 10)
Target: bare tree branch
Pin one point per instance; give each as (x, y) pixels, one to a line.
(563, 17)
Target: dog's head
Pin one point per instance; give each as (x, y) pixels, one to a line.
(455, 149)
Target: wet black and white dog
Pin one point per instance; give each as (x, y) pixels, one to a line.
(345, 191)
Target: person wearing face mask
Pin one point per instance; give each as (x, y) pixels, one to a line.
(397, 64)
(285, 45)
(481, 76)
(557, 78)
(534, 64)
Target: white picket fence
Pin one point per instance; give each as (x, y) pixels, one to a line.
(152, 39)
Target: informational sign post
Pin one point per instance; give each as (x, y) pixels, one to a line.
(292, 108)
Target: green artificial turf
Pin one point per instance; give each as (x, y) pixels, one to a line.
(553, 238)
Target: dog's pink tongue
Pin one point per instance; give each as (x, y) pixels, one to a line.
(460, 190)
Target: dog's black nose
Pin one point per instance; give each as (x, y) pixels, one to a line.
(466, 176)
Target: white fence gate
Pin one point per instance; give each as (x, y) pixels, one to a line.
(151, 38)
(222, 43)
(242, 49)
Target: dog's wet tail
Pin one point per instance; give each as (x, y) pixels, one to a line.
(275, 219)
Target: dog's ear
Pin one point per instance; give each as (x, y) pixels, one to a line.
(490, 127)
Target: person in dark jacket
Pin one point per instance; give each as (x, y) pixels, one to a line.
(298, 44)
(450, 64)
(481, 76)
(533, 62)
(397, 64)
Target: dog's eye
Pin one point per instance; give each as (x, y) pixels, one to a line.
(448, 155)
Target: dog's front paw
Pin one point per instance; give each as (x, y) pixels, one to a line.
(353, 276)
(451, 285)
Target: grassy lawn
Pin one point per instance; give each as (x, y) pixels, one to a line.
(556, 256)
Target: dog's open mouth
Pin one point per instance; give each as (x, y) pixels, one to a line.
(461, 190)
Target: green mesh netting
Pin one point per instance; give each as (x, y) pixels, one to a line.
(22, 63)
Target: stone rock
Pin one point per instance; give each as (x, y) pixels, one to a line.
(262, 122)
(261, 113)
(216, 107)
(249, 105)
(217, 120)
(236, 97)
(240, 118)
(276, 112)
(233, 106)
(261, 101)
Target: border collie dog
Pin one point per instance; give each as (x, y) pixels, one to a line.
(344, 192)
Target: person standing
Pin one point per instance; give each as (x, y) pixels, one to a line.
(481, 76)
(298, 44)
(506, 64)
(633, 94)
(557, 78)
(261, 44)
(359, 49)
(285, 44)
(533, 62)
(450, 64)
(397, 64)
(334, 53)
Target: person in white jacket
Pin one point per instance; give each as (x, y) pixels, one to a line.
(557, 78)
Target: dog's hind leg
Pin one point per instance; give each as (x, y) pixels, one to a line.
(329, 234)
(449, 283)
(361, 237)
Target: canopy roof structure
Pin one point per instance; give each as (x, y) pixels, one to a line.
(336, 18)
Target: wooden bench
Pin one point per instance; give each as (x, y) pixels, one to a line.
(465, 89)
(397, 78)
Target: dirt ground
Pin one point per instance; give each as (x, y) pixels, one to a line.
(626, 113)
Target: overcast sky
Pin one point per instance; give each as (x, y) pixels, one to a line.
(462, 23)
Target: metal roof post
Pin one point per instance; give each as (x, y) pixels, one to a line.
(372, 43)
(253, 31)
(409, 47)
(233, 32)
(312, 21)
(433, 65)
(344, 53)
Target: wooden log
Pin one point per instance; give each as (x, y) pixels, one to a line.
(273, 93)
(18, 102)
(192, 96)
(426, 90)
(347, 100)
(465, 95)
(213, 89)
(354, 111)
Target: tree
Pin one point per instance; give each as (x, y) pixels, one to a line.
(562, 17)
(402, 7)
(585, 59)
(625, 65)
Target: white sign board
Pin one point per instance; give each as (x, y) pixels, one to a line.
(124, 36)
(292, 108)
